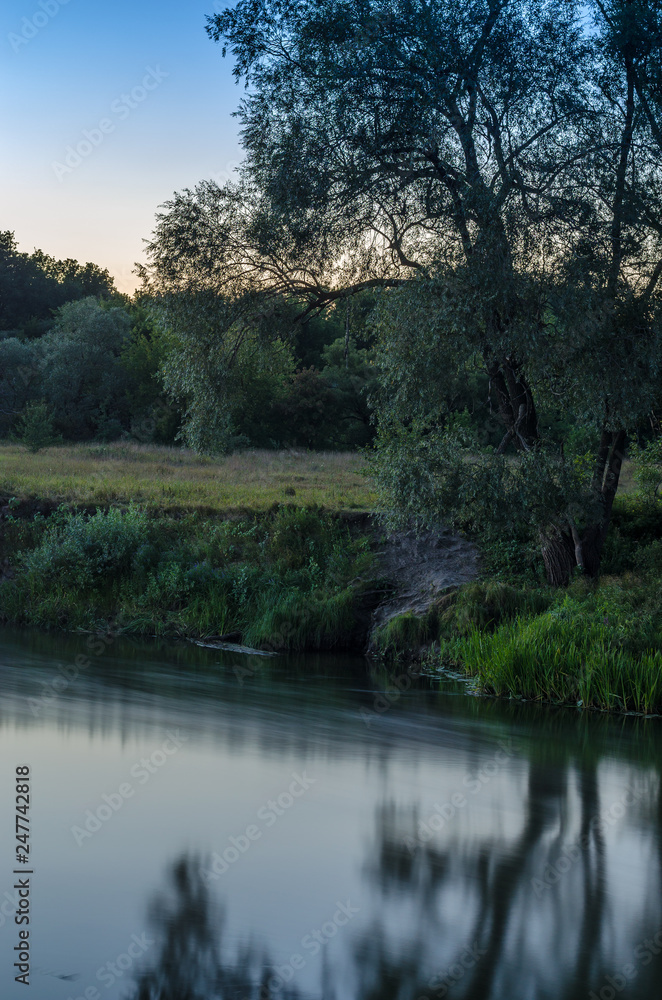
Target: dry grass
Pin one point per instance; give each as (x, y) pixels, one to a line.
(177, 479)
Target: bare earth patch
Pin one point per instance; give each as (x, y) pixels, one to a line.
(422, 568)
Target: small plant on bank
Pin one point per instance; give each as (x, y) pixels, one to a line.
(34, 428)
(78, 550)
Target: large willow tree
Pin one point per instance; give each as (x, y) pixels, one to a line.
(493, 166)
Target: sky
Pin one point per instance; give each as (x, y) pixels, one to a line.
(107, 109)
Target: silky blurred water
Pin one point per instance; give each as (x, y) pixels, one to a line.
(204, 822)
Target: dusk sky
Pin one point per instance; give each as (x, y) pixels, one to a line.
(154, 96)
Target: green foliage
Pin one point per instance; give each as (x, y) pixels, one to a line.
(599, 650)
(636, 526)
(350, 371)
(325, 408)
(285, 581)
(486, 605)
(224, 373)
(18, 379)
(648, 469)
(306, 413)
(143, 354)
(81, 375)
(77, 551)
(33, 285)
(34, 428)
(483, 606)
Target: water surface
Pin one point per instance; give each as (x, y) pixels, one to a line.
(202, 822)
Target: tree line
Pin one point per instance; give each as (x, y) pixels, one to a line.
(448, 218)
(81, 362)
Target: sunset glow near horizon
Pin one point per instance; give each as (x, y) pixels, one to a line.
(107, 110)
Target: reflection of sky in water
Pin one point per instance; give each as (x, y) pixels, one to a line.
(350, 837)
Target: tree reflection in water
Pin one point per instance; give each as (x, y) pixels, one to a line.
(458, 916)
(486, 931)
(189, 964)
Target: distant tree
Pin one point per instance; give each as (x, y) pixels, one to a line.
(81, 375)
(35, 428)
(19, 379)
(33, 285)
(351, 373)
(307, 415)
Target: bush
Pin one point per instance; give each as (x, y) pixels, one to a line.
(297, 535)
(78, 550)
(34, 428)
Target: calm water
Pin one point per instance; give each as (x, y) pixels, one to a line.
(201, 821)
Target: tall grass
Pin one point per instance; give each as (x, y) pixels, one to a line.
(598, 652)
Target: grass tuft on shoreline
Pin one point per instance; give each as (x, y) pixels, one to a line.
(595, 644)
(595, 652)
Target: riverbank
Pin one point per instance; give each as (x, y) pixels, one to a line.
(286, 579)
(294, 576)
(596, 644)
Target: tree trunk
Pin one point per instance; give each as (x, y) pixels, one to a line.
(515, 403)
(562, 550)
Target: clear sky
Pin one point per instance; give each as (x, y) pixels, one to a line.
(153, 94)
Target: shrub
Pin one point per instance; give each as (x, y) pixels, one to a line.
(34, 428)
(298, 534)
(80, 550)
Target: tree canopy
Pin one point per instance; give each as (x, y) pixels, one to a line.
(33, 285)
(493, 166)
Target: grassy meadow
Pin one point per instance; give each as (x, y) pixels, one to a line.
(176, 480)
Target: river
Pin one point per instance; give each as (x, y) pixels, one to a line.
(201, 822)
